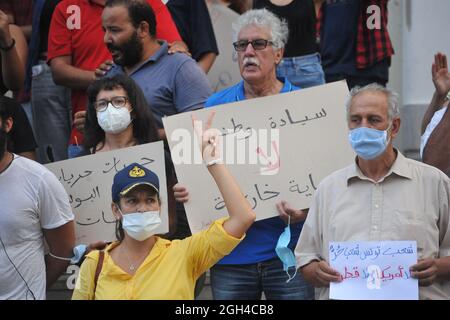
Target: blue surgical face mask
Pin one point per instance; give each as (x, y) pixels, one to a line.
(368, 143)
(284, 253)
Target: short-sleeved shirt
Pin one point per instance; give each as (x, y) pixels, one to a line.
(262, 237)
(195, 26)
(172, 83)
(410, 203)
(31, 199)
(84, 42)
(168, 273)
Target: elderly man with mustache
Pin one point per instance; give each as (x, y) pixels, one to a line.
(258, 263)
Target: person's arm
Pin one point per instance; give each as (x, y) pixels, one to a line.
(60, 53)
(241, 214)
(61, 241)
(26, 30)
(65, 74)
(13, 59)
(206, 61)
(441, 81)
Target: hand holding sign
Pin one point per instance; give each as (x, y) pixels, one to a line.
(425, 270)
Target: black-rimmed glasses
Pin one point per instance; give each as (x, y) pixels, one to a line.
(117, 102)
(257, 44)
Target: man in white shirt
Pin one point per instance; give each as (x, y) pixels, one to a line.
(33, 206)
(435, 140)
(383, 196)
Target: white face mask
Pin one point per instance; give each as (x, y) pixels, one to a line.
(140, 225)
(114, 120)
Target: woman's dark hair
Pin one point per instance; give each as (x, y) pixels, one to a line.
(143, 122)
(120, 233)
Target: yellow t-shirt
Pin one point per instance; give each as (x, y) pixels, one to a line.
(168, 273)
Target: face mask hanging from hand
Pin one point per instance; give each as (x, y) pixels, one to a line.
(368, 143)
(114, 120)
(284, 253)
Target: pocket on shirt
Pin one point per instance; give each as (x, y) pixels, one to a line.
(407, 226)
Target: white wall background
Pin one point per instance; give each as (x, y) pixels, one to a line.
(418, 29)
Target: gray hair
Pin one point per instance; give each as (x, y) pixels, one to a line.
(262, 17)
(392, 97)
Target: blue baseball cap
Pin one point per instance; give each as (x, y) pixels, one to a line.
(130, 177)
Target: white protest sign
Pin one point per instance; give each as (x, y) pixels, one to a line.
(88, 181)
(374, 270)
(277, 147)
(225, 71)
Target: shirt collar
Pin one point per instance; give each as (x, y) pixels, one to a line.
(400, 168)
(287, 87)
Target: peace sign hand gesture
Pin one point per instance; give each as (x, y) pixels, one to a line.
(210, 140)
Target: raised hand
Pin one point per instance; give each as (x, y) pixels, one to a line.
(210, 140)
(440, 74)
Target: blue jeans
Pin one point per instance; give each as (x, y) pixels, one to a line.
(51, 115)
(303, 72)
(248, 281)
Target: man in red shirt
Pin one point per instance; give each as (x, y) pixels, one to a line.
(76, 49)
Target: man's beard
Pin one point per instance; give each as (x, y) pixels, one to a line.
(3, 140)
(130, 52)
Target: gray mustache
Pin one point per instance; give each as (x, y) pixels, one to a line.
(251, 60)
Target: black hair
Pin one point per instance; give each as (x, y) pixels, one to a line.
(6, 108)
(138, 11)
(144, 125)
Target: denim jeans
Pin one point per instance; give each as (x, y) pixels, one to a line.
(248, 281)
(303, 72)
(51, 115)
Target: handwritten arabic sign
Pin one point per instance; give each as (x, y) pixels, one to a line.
(296, 139)
(224, 72)
(374, 270)
(88, 182)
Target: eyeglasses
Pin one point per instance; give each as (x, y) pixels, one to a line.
(258, 44)
(117, 102)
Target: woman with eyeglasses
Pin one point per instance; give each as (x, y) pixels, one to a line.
(118, 116)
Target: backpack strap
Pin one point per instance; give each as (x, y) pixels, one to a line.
(101, 257)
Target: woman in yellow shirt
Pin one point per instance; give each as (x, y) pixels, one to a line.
(141, 265)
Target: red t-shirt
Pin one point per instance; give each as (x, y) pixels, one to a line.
(81, 37)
